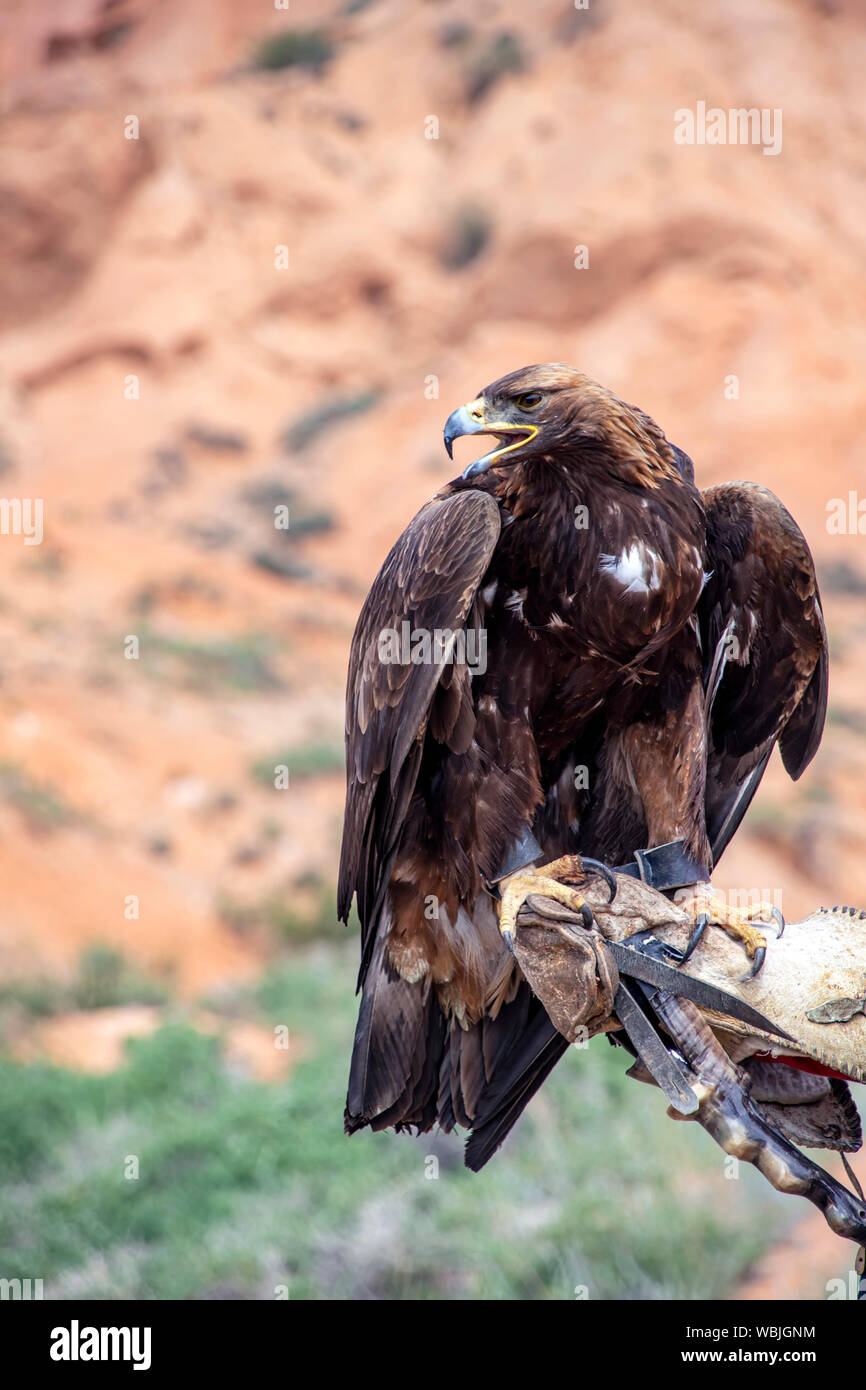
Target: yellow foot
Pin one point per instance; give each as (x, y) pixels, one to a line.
(709, 908)
(546, 882)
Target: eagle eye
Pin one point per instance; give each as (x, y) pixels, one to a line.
(528, 401)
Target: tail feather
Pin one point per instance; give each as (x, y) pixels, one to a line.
(412, 1067)
(494, 1122)
(398, 1041)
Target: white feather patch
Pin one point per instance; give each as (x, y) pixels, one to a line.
(636, 569)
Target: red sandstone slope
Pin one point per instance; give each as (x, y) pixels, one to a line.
(408, 259)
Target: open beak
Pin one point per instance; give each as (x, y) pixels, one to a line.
(471, 419)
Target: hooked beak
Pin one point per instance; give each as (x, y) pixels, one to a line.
(471, 419)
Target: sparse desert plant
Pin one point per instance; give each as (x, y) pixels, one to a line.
(296, 48)
(234, 663)
(42, 807)
(466, 238)
(292, 917)
(303, 760)
(300, 434)
(503, 54)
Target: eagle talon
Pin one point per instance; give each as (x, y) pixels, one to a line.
(694, 939)
(709, 909)
(603, 871)
(760, 956)
(544, 882)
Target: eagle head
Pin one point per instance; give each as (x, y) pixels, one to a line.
(555, 413)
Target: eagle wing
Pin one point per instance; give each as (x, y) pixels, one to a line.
(428, 583)
(765, 650)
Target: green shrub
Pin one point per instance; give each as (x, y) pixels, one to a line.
(297, 48)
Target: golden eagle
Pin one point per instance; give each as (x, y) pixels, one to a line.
(571, 651)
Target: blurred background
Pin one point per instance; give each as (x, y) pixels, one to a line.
(251, 260)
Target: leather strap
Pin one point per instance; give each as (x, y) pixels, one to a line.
(665, 867)
(524, 850)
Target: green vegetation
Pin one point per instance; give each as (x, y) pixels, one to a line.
(267, 493)
(279, 557)
(467, 238)
(297, 48)
(303, 761)
(213, 437)
(503, 54)
(304, 912)
(281, 566)
(840, 577)
(456, 34)
(244, 1187)
(42, 806)
(104, 977)
(843, 718)
(311, 523)
(329, 412)
(231, 663)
